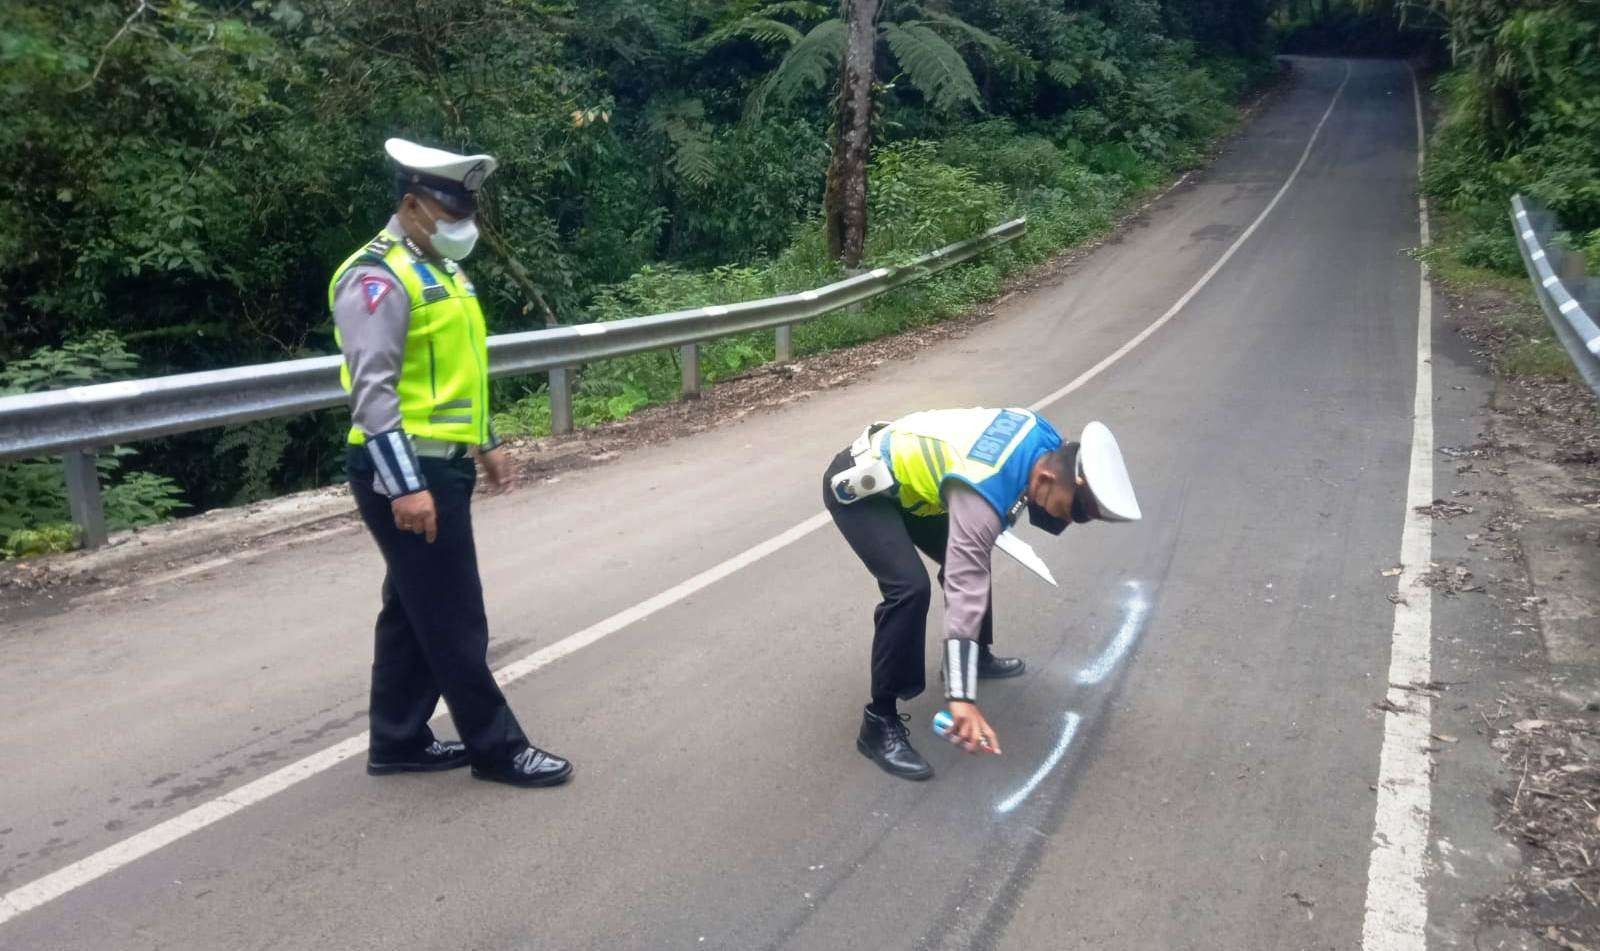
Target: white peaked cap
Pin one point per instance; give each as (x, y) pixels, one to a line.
(468, 170)
(1100, 463)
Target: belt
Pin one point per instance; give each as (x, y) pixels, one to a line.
(440, 448)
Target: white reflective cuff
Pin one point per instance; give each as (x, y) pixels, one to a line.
(395, 458)
(961, 669)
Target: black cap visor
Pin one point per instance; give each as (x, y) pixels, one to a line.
(456, 199)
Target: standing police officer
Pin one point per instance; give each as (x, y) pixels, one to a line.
(416, 367)
(949, 483)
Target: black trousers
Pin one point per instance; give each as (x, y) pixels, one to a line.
(887, 538)
(432, 634)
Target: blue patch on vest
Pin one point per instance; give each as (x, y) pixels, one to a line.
(1002, 489)
(423, 271)
(992, 444)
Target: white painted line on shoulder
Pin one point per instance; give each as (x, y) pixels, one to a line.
(107, 860)
(1396, 917)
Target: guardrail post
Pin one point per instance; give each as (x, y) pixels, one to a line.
(691, 370)
(783, 343)
(83, 496)
(560, 401)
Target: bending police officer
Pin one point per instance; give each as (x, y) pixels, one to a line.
(416, 368)
(949, 483)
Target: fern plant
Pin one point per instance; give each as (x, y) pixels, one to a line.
(929, 48)
(681, 121)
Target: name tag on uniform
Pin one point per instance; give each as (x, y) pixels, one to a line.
(434, 292)
(997, 437)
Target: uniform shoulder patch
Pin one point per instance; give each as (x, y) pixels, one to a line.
(379, 246)
(374, 288)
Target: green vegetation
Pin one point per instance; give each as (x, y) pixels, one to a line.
(1521, 112)
(33, 497)
(185, 173)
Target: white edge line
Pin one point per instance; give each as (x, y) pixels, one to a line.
(1396, 917)
(41, 890)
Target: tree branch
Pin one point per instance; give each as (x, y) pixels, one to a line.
(106, 50)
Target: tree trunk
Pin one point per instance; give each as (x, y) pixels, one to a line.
(844, 203)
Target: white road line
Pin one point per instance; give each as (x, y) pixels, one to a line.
(107, 860)
(1397, 900)
(1211, 272)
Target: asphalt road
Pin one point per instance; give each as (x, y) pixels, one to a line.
(1192, 747)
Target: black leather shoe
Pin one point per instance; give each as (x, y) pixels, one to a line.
(435, 757)
(887, 742)
(991, 667)
(531, 767)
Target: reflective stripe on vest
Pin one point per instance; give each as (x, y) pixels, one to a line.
(992, 450)
(444, 379)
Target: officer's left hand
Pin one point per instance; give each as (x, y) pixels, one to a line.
(497, 469)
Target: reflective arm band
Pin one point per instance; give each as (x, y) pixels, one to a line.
(494, 440)
(396, 461)
(961, 669)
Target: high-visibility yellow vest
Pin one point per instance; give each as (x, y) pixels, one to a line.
(992, 450)
(444, 376)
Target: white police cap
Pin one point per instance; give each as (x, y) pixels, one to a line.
(437, 167)
(1100, 463)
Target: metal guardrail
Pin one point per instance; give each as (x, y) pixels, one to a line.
(1569, 297)
(76, 422)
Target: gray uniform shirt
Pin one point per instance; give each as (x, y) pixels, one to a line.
(974, 528)
(373, 313)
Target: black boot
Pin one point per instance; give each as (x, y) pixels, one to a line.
(886, 741)
(991, 667)
(436, 756)
(531, 767)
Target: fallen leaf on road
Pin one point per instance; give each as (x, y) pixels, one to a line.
(1444, 509)
(1528, 726)
(1445, 738)
(1389, 706)
(1391, 572)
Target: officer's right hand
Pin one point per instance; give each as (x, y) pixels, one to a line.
(415, 513)
(971, 731)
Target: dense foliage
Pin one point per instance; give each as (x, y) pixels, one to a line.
(185, 173)
(1523, 114)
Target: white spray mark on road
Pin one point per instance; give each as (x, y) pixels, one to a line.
(1134, 611)
(1069, 729)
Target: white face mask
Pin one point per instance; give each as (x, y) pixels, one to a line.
(454, 239)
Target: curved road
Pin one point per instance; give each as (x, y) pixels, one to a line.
(1193, 742)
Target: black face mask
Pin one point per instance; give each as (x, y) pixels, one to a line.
(1039, 517)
